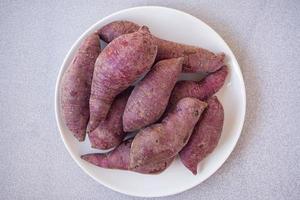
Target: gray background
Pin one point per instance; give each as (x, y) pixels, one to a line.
(35, 37)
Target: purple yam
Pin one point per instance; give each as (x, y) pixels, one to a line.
(121, 63)
(155, 89)
(76, 86)
(196, 59)
(115, 29)
(110, 132)
(119, 159)
(205, 136)
(202, 89)
(164, 140)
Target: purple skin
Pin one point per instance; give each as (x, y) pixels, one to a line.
(115, 29)
(122, 62)
(195, 59)
(202, 89)
(119, 159)
(205, 137)
(76, 86)
(110, 132)
(164, 140)
(154, 89)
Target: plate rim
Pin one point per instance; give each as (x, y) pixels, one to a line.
(57, 100)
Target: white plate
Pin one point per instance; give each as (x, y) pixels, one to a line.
(181, 27)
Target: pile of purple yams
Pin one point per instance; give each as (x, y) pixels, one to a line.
(169, 117)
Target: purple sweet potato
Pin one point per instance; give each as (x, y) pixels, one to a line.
(205, 136)
(202, 89)
(76, 86)
(121, 63)
(150, 96)
(164, 140)
(116, 29)
(195, 59)
(110, 132)
(119, 159)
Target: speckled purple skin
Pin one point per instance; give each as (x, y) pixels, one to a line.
(150, 96)
(76, 86)
(119, 159)
(205, 136)
(121, 63)
(116, 29)
(202, 89)
(195, 59)
(110, 132)
(162, 141)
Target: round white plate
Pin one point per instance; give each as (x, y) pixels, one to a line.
(180, 27)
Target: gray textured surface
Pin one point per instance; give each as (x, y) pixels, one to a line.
(35, 37)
